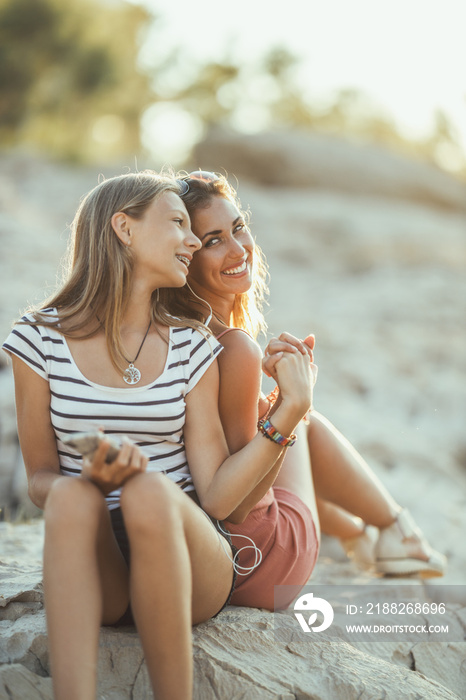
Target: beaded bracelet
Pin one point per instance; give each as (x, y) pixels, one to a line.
(268, 431)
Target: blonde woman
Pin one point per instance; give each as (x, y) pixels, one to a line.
(228, 274)
(127, 528)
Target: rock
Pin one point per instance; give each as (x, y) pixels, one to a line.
(303, 161)
(17, 683)
(452, 665)
(9, 446)
(242, 653)
(237, 655)
(13, 482)
(339, 231)
(242, 645)
(24, 641)
(20, 583)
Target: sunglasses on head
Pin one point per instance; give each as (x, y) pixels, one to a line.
(203, 175)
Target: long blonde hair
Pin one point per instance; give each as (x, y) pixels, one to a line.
(98, 269)
(248, 307)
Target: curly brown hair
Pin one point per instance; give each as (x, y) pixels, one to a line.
(248, 307)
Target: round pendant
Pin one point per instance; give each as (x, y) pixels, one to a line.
(132, 375)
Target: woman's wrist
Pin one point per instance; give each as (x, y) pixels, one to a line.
(270, 432)
(292, 408)
(285, 420)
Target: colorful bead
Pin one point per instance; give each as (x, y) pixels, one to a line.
(268, 431)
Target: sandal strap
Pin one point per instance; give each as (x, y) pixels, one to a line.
(407, 524)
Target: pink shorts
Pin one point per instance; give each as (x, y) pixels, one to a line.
(283, 528)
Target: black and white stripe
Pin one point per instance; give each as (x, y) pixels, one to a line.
(152, 416)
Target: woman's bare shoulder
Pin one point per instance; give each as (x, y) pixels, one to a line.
(239, 343)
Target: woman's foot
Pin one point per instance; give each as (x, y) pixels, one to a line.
(360, 549)
(402, 550)
(397, 550)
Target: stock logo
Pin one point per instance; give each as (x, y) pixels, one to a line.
(307, 603)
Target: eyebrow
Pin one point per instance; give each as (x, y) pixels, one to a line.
(215, 233)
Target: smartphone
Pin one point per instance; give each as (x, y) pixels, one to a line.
(87, 444)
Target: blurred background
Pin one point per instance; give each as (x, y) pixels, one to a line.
(105, 80)
(344, 125)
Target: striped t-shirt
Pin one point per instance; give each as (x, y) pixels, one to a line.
(152, 416)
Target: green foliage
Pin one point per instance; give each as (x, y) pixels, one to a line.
(201, 96)
(63, 67)
(222, 93)
(70, 85)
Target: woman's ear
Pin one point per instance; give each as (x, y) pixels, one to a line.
(120, 225)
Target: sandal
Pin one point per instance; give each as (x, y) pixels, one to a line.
(401, 550)
(360, 549)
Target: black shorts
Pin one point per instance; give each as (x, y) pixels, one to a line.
(121, 536)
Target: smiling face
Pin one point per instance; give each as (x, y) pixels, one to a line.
(223, 266)
(162, 242)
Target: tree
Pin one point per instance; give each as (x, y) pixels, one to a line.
(68, 77)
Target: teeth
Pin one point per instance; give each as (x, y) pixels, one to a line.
(184, 260)
(235, 270)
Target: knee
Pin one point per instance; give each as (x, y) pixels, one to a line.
(312, 423)
(316, 424)
(150, 502)
(72, 500)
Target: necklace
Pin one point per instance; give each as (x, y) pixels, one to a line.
(132, 375)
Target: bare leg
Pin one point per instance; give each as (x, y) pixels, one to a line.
(350, 495)
(180, 575)
(338, 522)
(342, 477)
(296, 474)
(81, 558)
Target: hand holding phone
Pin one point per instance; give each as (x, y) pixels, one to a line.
(87, 444)
(107, 470)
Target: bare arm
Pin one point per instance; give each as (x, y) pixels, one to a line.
(240, 385)
(36, 436)
(222, 482)
(39, 447)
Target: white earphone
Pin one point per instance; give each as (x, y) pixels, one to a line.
(242, 570)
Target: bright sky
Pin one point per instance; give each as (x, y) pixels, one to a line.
(408, 56)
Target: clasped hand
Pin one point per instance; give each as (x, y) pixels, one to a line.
(108, 476)
(290, 362)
